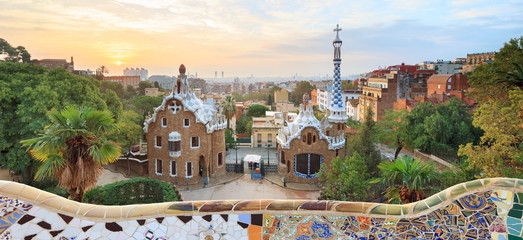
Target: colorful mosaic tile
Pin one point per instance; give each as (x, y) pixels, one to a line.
(482, 214)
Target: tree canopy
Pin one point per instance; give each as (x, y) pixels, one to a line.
(498, 90)
(18, 54)
(345, 179)
(301, 88)
(257, 110)
(27, 92)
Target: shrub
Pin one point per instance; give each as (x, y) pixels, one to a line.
(132, 191)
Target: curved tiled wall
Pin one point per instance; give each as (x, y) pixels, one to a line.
(480, 209)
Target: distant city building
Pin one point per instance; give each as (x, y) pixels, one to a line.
(265, 129)
(445, 84)
(124, 80)
(54, 63)
(164, 81)
(237, 87)
(141, 72)
(281, 96)
(476, 59)
(285, 107)
(306, 143)
(379, 95)
(199, 83)
(325, 95)
(185, 138)
(443, 67)
(152, 92)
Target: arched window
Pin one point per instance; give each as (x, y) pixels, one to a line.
(304, 137)
(309, 138)
(282, 157)
(173, 168)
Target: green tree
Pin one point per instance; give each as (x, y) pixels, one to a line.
(130, 132)
(241, 124)
(114, 86)
(497, 89)
(349, 86)
(228, 109)
(142, 85)
(393, 130)
(345, 179)
(406, 179)
(257, 110)
(363, 144)
(27, 92)
(101, 71)
(146, 104)
(130, 91)
(229, 139)
(301, 88)
(74, 147)
(14, 54)
(113, 104)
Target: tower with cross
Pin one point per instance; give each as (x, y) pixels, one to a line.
(337, 107)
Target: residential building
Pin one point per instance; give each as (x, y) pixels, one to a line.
(265, 129)
(352, 109)
(445, 84)
(285, 107)
(54, 63)
(475, 59)
(379, 95)
(314, 97)
(281, 96)
(306, 143)
(443, 67)
(124, 80)
(152, 92)
(141, 72)
(325, 95)
(185, 137)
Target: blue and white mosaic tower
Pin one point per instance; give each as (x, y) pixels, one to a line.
(337, 106)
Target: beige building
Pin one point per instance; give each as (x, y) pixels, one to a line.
(185, 137)
(379, 94)
(265, 129)
(475, 59)
(152, 92)
(285, 107)
(281, 96)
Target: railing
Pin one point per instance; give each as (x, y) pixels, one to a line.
(480, 209)
(233, 167)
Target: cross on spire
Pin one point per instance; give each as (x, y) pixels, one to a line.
(337, 29)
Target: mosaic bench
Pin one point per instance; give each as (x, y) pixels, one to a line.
(480, 209)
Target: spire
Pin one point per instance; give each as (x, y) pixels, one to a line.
(337, 106)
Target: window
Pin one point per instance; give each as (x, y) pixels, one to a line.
(439, 86)
(188, 169)
(361, 111)
(307, 165)
(195, 142)
(164, 122)
(186, 122)
(309, 138)
(374, 105)
(314, 138)
(158, 167)
(304, 138)
(220, 159)
(259, 137)
(174, 144)
(336, 152)
(327, 133)
(173, 168)
(158, 141)
(282, 157)
(269, 137)
(448, 87)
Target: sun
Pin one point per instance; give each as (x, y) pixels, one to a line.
(118, 63)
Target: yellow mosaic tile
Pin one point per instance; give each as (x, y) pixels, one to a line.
(94, 212)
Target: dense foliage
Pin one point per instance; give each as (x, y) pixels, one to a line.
(345, 179)
(363, 144)
(132, 191)
(14, 54)
(27, 93)
(301, 88)
(498, 90)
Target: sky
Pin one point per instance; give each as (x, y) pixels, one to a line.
(272, 38)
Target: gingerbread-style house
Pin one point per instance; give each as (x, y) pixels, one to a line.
(185, 137)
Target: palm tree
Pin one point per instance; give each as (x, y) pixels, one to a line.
(406, 178)
(73, 148)
(228, 109)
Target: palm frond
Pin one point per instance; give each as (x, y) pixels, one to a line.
(50, 167)
(105, 152)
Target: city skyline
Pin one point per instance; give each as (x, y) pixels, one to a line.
(265, 39)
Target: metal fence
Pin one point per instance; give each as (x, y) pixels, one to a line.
(233, 167)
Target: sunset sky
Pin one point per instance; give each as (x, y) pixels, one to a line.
(263, 38)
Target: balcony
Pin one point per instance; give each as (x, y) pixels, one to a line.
(175, 154)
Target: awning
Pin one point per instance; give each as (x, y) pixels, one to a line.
(252, 158)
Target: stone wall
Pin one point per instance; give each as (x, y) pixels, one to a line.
(481, 209)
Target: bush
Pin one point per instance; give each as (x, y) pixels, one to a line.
(133, 191)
